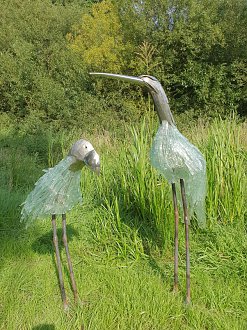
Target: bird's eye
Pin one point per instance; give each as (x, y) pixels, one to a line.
(86, 147)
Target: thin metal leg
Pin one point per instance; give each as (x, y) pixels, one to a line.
(59, 267)
(176, 217)
(186, 225)
(65, 242)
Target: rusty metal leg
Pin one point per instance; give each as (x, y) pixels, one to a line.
(65, 242)
(59, 267)
(175, 204)
(186, 225)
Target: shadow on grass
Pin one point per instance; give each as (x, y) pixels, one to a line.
(156, 268)
(44, 243)
(44, 327)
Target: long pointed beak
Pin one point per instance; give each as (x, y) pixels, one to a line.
(92, 161)
(131, 79)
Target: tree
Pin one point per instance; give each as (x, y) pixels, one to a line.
(201, 48)
(98, 38)
(42, 80)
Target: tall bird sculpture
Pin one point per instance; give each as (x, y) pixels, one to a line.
(180, 162)
(55, 193)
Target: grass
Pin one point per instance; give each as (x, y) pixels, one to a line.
(121, 238)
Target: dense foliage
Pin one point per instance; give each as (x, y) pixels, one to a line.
(198, 49)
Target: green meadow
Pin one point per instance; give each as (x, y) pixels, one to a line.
(121, 237)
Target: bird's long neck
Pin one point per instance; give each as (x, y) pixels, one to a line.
(161, 104)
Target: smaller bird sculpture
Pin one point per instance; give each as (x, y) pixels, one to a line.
(179, 161)
(55, 193)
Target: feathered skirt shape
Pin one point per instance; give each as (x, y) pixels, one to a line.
(56, 192)
(176, 158)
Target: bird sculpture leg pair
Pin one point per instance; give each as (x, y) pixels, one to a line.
(58, 259)
(186, 225)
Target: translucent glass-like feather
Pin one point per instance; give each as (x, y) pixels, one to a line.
(176, 158)
(56, 192)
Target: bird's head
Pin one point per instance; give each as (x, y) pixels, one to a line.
(84, 152)
(151, 83)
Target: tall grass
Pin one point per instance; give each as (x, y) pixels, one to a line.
(132, 198)
(226, 169)
(133, 193)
